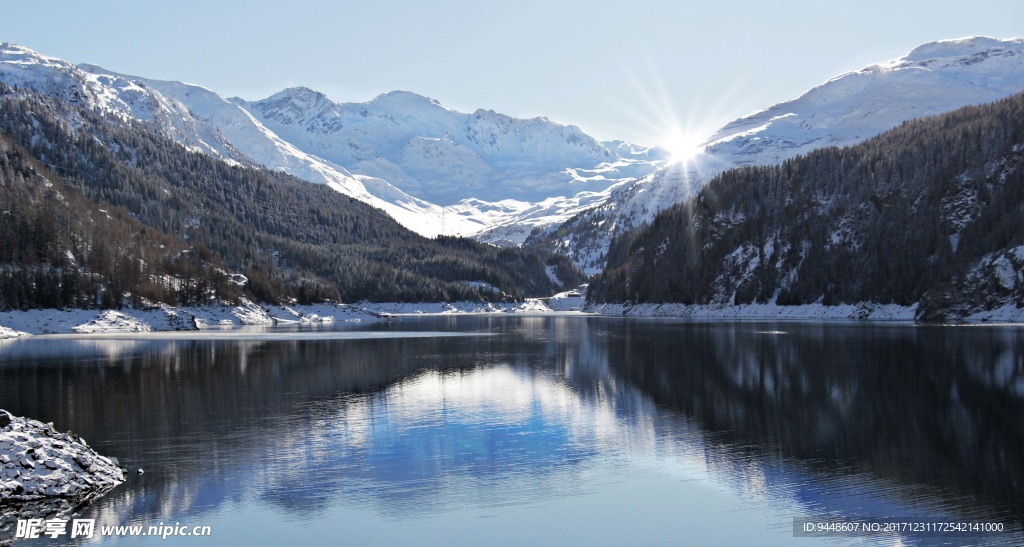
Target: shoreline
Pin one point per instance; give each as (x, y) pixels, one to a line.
(210, 319)
(861, 311)
(163, 318)
(864, 311)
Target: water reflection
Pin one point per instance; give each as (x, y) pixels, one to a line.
(438, 439)
(912, 405)
(842, 419)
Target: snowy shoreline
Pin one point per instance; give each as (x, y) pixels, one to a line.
(162, 318)
(14, 324)
(887, 312)
(862, 311)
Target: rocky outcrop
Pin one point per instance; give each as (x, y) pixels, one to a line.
(38, 462)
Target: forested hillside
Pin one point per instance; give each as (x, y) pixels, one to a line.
(931, 212)
(293, 240)
(62, 250)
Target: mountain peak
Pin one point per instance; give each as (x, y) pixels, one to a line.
(300, 94)
(933, 78)
(974, 47)
(9, 48)
(302, 91)
(404, 98)
(14, 54)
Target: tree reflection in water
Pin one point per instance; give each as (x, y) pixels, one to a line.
(860, 419)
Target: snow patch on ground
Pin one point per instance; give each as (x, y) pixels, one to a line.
(170, 318)
(319, 313)
(112, 321)
(533, 305)
(567, 303)
(404, 308)
(553, 276)
(10, 333)
(572, 300)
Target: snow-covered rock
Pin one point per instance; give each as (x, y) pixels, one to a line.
(996, 288)
(38, 462)
(112, 321)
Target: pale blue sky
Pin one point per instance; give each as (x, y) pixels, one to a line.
(630, 70)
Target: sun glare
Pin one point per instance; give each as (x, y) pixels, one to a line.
(683, 146)
(679, 124)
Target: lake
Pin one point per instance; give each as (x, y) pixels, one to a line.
(553, 429)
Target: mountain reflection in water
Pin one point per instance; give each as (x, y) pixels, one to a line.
(788, 419)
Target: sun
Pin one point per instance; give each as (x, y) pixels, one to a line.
(683, 145)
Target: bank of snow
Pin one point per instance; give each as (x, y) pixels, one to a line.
(574, 300)
(447, 308)
(890, 312)
(38, 462)
(1008, 313)
(170, 318)
(10, 333)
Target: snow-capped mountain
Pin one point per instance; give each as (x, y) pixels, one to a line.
(445, 156)
(933, 78)
(498, 178)
(925, 216)
(202, 121)
(400, 152)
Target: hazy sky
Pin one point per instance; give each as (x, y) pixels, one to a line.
(632, 70)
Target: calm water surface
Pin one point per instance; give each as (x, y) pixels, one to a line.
(543, 430)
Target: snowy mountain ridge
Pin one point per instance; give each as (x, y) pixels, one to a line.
(438, 154)
(400, 152)
(437, 170)
(536, 172)
(200, 120)
(931, 79)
